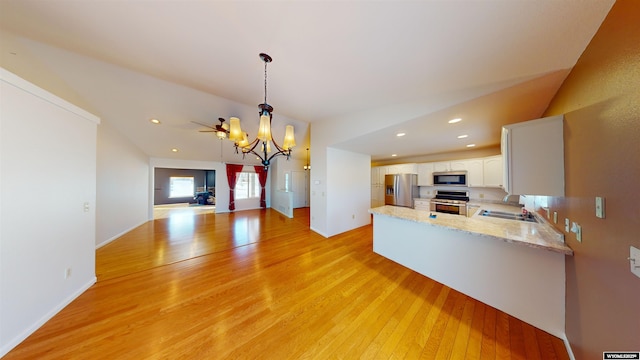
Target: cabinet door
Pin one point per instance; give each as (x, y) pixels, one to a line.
(539, 172)
(493, 169)
(425, 174)
(409, 168)
(441, 166)
(459, 165)
(475, 172)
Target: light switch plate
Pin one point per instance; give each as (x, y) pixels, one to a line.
(600, 207)
(634, 260)
(566, 225)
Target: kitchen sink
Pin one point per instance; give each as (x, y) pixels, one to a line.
(508, 215)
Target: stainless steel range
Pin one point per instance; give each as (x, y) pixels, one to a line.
(451, 202)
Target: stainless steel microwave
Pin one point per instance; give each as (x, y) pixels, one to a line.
(450, 178)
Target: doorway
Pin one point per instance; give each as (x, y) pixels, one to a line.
(300, 188)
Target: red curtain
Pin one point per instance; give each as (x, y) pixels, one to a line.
(232, 177)
(262, 178)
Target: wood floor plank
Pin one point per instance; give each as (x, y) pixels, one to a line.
(256, 284)
(503, 342)
(531, 343)
(446, 341)
(459, 348)
(488, 349)
(475, 336)
(516, 339)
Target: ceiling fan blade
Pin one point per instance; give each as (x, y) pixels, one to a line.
(209, 126)
(207, 131)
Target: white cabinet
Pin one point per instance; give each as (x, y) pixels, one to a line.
(533, 155)
(377, 195)
(441, 166)
(377, 175)
(377, 185)
(493, 169)
(459, 165)
(475, 172)
(402, 169)
(425, 174)
(422, 204)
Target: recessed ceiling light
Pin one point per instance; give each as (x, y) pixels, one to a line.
(155, 121)
(462, 136)
(174, 150)
(394, 155)
(400, 134)
(453, 121)
(471, 145)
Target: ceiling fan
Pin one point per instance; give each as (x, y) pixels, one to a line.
(221, 129)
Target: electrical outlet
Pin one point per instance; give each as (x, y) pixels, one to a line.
(481, 196)
(67, 273)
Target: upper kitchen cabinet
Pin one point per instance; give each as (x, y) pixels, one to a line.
(533, 157)
(493, 170)
(475, 172)
(402, 169)
(425, 174)
(377, 175)
(442, 166)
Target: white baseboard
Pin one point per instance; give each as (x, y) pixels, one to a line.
(319, 232)
(567, 345)
(30, 330)
(120, 234)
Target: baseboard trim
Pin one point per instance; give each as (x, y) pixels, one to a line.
(98, 246)
(567, 345)
(30, 330)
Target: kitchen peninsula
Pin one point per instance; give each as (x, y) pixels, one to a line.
(514, 266)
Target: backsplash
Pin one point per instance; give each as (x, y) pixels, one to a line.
(483, 194)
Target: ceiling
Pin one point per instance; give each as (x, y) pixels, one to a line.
(415, 64)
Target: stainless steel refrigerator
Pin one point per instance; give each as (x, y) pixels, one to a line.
(401, 189)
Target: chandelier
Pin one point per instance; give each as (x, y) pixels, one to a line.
(263, 146)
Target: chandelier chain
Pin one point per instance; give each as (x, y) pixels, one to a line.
(265, 82)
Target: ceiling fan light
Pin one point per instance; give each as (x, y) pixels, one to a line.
(221, 134)
(289, 138)
(235, 132)
(264, 130)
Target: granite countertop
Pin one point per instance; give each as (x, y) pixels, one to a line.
(537, 235)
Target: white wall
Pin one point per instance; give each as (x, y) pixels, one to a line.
(340, 189)
(348, 191)
(47, 206)
(122, 185)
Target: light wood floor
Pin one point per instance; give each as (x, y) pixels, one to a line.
(258, 285)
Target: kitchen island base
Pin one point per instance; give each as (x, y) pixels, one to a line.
(525, 282)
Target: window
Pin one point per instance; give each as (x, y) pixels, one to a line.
(247, 186)
(181, 186)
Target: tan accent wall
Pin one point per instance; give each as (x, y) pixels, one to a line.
(601, 100)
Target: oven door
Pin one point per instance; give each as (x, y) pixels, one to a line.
(457, 209)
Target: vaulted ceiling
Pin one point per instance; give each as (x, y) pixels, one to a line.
(420, 63)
